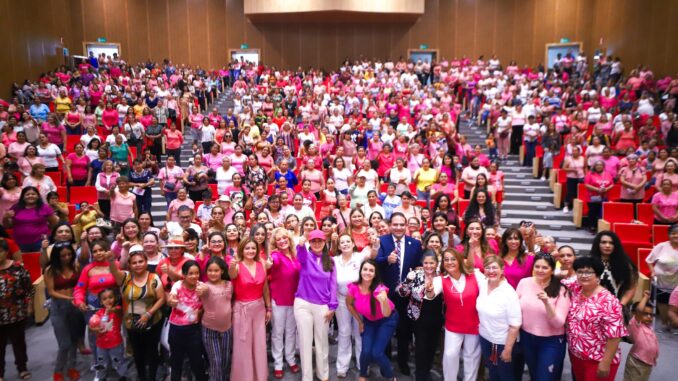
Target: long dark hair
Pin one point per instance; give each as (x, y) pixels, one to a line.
(21, 204)
(485, 248)
(376, 281)
(622, 268)
(222, 265)
(473, 210)
(55, 266)
(553, 288)
(504, 247)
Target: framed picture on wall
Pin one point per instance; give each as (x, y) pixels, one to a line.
(108, 48)
(245, 55)
(426, 55)
(552, 51)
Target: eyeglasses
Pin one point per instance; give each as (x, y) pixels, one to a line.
(449, 260)
(584, 274)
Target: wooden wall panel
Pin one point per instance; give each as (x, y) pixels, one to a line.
(504, 24)
(178, 32)
(446, 28)
(198, 31)
(522, 32)
(216, 19)
(202, 31)
(159, 44)
(362, 41)
(137, 30)
(328, 46)
(291, 46)
(486, 23)
(117, 25)
(465, 24)
(92, 19)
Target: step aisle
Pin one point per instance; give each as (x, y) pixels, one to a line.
(159, 205)
(527, 198)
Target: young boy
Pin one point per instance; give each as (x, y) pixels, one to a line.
(204, 213)
(645, 350)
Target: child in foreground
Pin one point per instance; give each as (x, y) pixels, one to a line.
(106, 323)
(645, 350)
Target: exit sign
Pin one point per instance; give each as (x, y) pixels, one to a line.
(101, 39)
(244, 46)
(423, 46)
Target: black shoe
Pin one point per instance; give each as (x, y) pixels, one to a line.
(405, 370)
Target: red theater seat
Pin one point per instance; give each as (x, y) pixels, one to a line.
(80, 194)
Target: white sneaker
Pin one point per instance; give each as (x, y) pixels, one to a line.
(543, 178)
(565, 210)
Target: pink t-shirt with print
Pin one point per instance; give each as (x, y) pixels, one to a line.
(187, 311)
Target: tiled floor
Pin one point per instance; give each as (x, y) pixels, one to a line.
(42, 351)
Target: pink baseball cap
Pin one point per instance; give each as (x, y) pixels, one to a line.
(316, 234)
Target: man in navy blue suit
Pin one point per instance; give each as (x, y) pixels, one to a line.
(397, 255)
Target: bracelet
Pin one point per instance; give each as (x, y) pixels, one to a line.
(268, 309)
(148, 315)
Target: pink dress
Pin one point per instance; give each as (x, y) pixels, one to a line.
(249, 325)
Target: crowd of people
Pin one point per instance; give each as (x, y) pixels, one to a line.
(326, 201)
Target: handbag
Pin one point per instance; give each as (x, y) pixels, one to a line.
(169, 186)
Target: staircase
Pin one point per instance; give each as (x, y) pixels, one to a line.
(527, 198)
(159, 205)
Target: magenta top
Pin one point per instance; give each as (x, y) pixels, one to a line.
(362, 301)
(283, 278)
(515, 271)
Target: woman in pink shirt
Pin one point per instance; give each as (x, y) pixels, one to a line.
(315, 176)
(109, 117)
(544, 302)
(518, 261)
(216, 297)
(184, 333)
(575, 166)
(55, 131)
(173, 141)
(174, 205)
(123, 202)
(283, 278)
(632, 179)
(665, 204)
(367, 300)
(251, 313)
(598, 182)
(77, 166)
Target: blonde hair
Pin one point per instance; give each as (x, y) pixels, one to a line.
(272, 245)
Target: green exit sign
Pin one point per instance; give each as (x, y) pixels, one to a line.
(423, 46)
(244, 46)
(101, 39)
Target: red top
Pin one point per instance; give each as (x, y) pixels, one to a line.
(246, 287)
(111, 337)
(461, 315)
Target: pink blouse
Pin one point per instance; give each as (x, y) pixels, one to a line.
(362, 301)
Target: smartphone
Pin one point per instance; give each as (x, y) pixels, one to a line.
(77, 207)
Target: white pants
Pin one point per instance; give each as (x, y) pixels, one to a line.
(283, 327)
(348, 327)
(471, 355)
(312, 329)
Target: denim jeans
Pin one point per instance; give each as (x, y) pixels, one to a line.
(499, 370)
(544, 355)
(69, 326)
(376, 335)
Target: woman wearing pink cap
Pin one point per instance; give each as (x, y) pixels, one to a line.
(315, 303)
